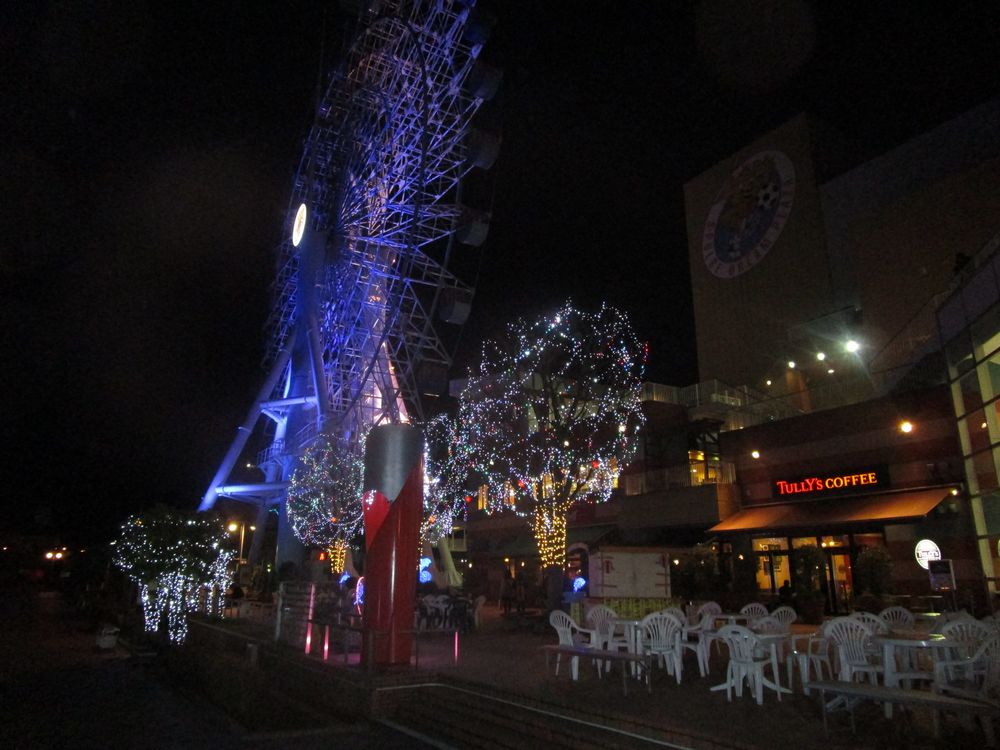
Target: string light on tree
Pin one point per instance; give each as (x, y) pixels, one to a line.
(553, 415)
(446, 462)
(179, 562)
(324, 497)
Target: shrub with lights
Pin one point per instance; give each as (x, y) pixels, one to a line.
(553, 415)
(324, 497)
(176, 559)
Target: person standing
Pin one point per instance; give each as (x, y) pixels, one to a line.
(507, 591)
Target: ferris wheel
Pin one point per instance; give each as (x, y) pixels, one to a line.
(365, 289)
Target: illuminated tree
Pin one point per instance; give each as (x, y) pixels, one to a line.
(176, 559)
(446, 468)
(324, 497)
(552, 416)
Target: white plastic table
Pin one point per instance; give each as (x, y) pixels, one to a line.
(905, 644)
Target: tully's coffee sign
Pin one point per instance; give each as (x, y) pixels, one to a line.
(855, 481)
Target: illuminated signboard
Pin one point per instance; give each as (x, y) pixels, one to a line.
(855, 481)
(925, 551)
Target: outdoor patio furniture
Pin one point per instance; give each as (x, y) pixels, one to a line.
(975, 677)
(768, 625)
(707, 608)
(850, 694)
(785, 615)
(970, 633)
(851, 637)
(676, 612)
(571, 634)
(747, 659)
(602, 619)
(898, 618)
(698, 638)
(947, 617)
(754, 610)
(967, 634)
(661, 637)
(813, 657)
(874, 623)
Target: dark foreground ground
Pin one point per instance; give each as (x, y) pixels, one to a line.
(58, 691)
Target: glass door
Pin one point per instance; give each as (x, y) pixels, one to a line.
(840, 590)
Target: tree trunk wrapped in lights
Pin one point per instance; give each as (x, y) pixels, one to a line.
(552, 417)
(338, 556)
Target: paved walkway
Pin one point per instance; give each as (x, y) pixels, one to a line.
(58, 691)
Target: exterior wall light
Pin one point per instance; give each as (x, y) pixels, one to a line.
(755, 454)
(791, 365)
(852, 346)
(906, 427)
(820, 356)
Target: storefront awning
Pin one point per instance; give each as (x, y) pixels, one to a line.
(822, 514)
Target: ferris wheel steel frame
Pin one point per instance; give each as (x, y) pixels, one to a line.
(352, 332)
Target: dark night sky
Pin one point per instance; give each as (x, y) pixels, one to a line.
(149, 149)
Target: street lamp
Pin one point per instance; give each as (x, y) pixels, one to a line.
(242, 527)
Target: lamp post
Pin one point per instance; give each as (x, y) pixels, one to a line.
(242, 527)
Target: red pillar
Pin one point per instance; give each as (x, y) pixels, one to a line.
(393, 507)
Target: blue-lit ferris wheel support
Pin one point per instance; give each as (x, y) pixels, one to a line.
(364, 268)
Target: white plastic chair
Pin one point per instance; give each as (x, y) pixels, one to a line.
(967, 632)
(708, 608)
(571, 634)
(815, 657)
(747, 660)
(851, 636)
(661, 637)
(898, 618)
(753, 610)
(768, 624)
(600, 618)
(676, 612)
(698, 638)
(975, 677)
(874, 623)
(785, 615)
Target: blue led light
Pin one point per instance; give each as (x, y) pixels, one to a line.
(579, 583)
(425, 576)
(343, 577)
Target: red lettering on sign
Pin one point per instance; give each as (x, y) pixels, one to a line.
(819, 484)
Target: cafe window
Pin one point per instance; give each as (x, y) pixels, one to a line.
(804, 541)
(773, 567)
(834, 541)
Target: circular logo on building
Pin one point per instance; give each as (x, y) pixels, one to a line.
(926, 550)
(748, 214)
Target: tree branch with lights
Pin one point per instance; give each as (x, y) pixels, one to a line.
(176, 559)
(552, 416)
(324, 497)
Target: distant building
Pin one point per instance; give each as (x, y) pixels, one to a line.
(792, 255)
